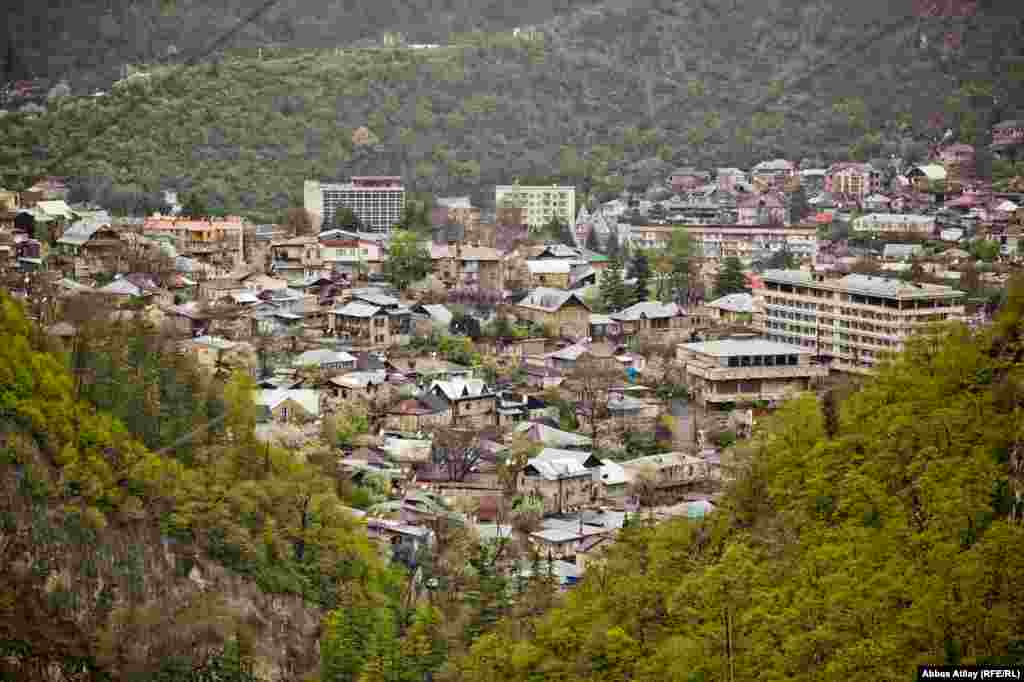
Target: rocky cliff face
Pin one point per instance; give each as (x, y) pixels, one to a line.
(80, 597)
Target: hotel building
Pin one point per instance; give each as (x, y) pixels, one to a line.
(378, 201)
(541, 203)
(850, 321)
(747, 242)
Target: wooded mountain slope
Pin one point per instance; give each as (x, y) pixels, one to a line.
(611, 95)
(123, 562)
(864, 536)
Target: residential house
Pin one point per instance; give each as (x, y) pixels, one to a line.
(923, 178)
(563, 480)
(350, 253)
(877, 203)
(220, 288)
(472, 402)
(428, 318)
(959, 162)
(562, 311)
(728, 178)
(669, 475)
(288, 406)
(217, 354)
(550, 437)
(420, 413)
(296, 259)
(370, 386)
(687, 179)
(549, 273)
(732, 309)
(468, 266)
(458, 211)
(746, 371)
(762, 209)
(424, 369)
(88, 247)
(371, 324)
(650, 317)
(325, 360)
(773, 174)
(218, 242)
(902, 252)
(852, 179)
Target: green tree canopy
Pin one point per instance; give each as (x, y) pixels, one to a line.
(731, 278)
(408, 259)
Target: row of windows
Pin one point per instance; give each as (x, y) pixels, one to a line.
(763, 360)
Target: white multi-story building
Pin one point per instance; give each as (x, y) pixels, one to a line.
(542, 203)
(880, 223)
(377, 200)
(853, 321)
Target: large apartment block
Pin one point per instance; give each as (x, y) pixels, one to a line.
(747, 242)
(378, 200)
(541, 203)
(852, 321)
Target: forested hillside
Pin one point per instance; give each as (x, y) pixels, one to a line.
(211, 553)
(865, 535)
(608, 96)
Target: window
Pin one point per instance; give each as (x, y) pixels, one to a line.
(791, 360)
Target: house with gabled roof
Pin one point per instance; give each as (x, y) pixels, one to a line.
(564, 312)
(650, 316)
(472, 401)
(563, 480)
(288, 406)
(372, 320)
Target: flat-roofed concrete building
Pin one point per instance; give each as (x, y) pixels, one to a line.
(378, 201)
(747, 370)
(541, 203)
(850, 321)
(746, 242)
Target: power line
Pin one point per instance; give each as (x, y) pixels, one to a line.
(191, 61)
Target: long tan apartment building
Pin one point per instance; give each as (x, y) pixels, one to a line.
(851, 321)
(746, 242)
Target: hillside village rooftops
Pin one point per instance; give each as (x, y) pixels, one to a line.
(323, 356)
(864, 284)
(214, 342)
(902, 251)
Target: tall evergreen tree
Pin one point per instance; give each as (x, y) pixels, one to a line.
(731, 279)
(614, 293)
(642, 273)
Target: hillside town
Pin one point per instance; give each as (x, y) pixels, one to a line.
(547, 365)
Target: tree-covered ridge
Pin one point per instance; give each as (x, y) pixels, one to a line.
(605, 98)
(865, 534)
(85, 507)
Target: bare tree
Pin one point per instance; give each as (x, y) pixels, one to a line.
(457, 450)
(591, 380)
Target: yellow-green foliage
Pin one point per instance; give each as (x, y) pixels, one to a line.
(848, 550)
(256, 509)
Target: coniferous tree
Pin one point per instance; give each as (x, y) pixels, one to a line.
(613, 290)
(642, 273)
(731, 279)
